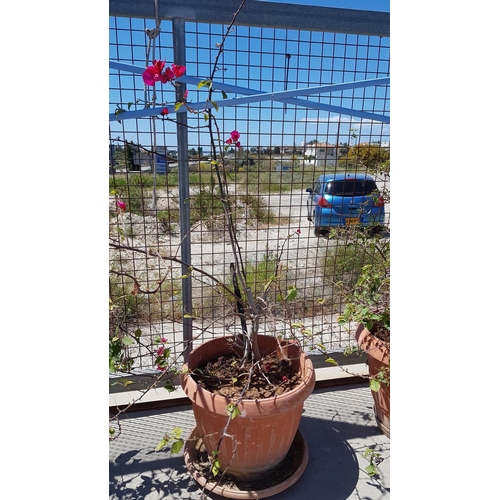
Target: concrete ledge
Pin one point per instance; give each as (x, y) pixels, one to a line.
(161, 398)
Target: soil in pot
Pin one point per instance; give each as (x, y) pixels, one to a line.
(225, 376)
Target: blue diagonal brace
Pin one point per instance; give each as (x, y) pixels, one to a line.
(253, 95)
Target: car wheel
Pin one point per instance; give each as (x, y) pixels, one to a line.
(376, 229)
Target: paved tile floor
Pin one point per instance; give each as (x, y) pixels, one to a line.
(338, 425)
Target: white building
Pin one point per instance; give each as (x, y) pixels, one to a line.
(320, 154)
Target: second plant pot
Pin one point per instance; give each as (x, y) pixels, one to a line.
(377, 353)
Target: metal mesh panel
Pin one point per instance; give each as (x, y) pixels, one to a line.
(285, 147)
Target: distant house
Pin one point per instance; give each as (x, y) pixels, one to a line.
(321, 153)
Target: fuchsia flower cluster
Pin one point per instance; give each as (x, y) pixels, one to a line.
(234, 139)
(158, 73)
(122, 207)
(162, 355)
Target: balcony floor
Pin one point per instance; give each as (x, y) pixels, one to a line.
(338, 425)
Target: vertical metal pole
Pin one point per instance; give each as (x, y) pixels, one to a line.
(179, 41)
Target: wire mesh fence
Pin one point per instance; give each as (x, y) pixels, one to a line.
(275, 89)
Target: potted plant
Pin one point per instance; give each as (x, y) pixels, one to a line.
(368, 304)
(247, 390)
(248, 419)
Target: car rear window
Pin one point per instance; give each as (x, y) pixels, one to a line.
(351, 187)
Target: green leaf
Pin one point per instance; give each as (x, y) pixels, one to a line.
(177, 446)
(224, 95)
(128, 340)
(169, 386)
(161, 444)
(130, 104)
(332, 361)
(119, 111)
(371, 470)
(138, 332)
(215, 468)
(374, 385)
(215, 463)
(178, 106)
(112, 368)
(269, 283)
(204, 83)
(214, 104)
(233, 410)
(292, 293)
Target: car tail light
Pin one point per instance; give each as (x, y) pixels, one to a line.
(323, 203)
(380, 201)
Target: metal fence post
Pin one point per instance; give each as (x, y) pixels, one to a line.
(179, 42)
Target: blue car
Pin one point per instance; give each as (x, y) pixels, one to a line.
(339, 200)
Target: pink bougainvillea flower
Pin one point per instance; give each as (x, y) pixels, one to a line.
(177, 70)
(161, 368)
(121, 205)
(153, 74)
(235, 135)
(284, 378)
(160, 351)
(169, 75)
(298, 231)
(164, 112)
(163, 340)
(186, 94)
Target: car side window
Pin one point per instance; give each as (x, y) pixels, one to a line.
(317, 188)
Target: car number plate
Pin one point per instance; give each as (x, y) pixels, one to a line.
(352, 221)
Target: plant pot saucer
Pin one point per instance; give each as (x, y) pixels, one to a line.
(282, 477)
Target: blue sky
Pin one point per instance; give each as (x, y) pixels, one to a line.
(376, 5)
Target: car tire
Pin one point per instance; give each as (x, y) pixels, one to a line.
(376, 229)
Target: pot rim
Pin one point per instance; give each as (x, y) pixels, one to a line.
(373, 346)
(219, 403)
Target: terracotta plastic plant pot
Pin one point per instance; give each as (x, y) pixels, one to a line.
(258, 439)
(377, 354)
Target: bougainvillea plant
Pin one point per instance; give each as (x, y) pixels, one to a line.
(159, 72)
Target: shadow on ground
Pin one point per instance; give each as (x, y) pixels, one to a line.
(333, 471)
